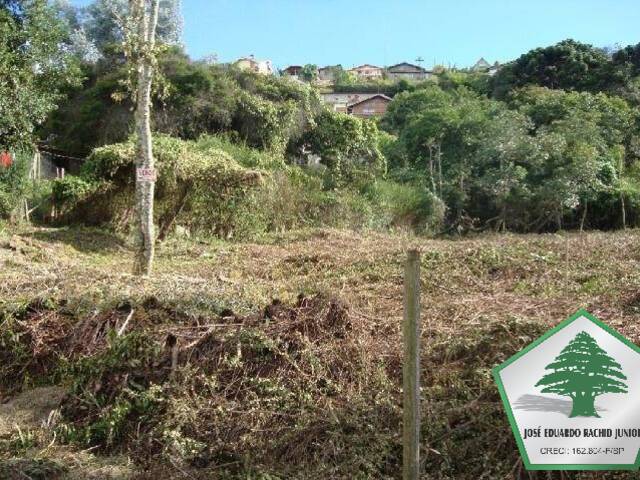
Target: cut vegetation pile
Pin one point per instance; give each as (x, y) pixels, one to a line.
(293, 388)
(229, 383)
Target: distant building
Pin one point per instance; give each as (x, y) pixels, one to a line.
(246, 63)
(251, 63)
(483, 66)
(292, 71)
(367, 72)
(327, 75)
(340, 102)
(407, 71)
(374, 106)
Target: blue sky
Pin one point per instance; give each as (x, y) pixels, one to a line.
(350, 32)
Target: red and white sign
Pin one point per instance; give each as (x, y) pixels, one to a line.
(146, 175)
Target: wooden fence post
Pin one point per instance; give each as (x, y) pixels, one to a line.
(411, 368)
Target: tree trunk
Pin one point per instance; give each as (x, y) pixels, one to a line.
(624, 213)
(584, 216)
(440, 168)
(431, 170)
(584, 405)
(144, 231)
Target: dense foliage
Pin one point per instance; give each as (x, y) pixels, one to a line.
(533, 162)
(194, 180)
(265, 112)
(33, 68)
(13, 185)
(551, 141)
(571, 65)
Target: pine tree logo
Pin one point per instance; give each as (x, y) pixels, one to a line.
(583, 371)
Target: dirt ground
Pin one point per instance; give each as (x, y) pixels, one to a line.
(538, 276)
(466, 283)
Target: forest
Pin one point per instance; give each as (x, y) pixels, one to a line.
(550, 142)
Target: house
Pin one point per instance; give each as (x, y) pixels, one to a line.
(367, 72)
(481, 65)
(341, 101)
(370, 107)
(250, 63)
(407, 71)
(292, 71)
(265, 67)
(327, 75)
(359, 104)
(493, 69)
(246, 63)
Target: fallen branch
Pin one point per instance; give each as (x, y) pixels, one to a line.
(126, 322)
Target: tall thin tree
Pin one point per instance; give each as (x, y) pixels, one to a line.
(141, 38)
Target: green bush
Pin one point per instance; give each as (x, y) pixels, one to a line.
(16, 187)
(71, 189)
(215, 186)
(14, 184)
(197, 183)
(246, 156)
(291, 199)
(407, 205)
(295, 198)
(348, 146)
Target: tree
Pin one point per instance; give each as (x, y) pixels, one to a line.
(342, 76)
(628, 58)
(443, 137)
(104, 19)
(408, 104)
(567, 65)
(347, 145)
(502, 163)
(309, 72)
(582, 372)
(140, 49)
(33, 68)
(583, 138)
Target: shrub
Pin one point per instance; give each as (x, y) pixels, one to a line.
(71, 189)
(264, 123)
(14, 183)
(348, 146)
(210, 186)
(246, 156)
(407, 205)
(194, 182)
(16, 188)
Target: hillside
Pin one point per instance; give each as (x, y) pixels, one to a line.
(287, 361)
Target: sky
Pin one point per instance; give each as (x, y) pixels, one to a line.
(385, 32)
